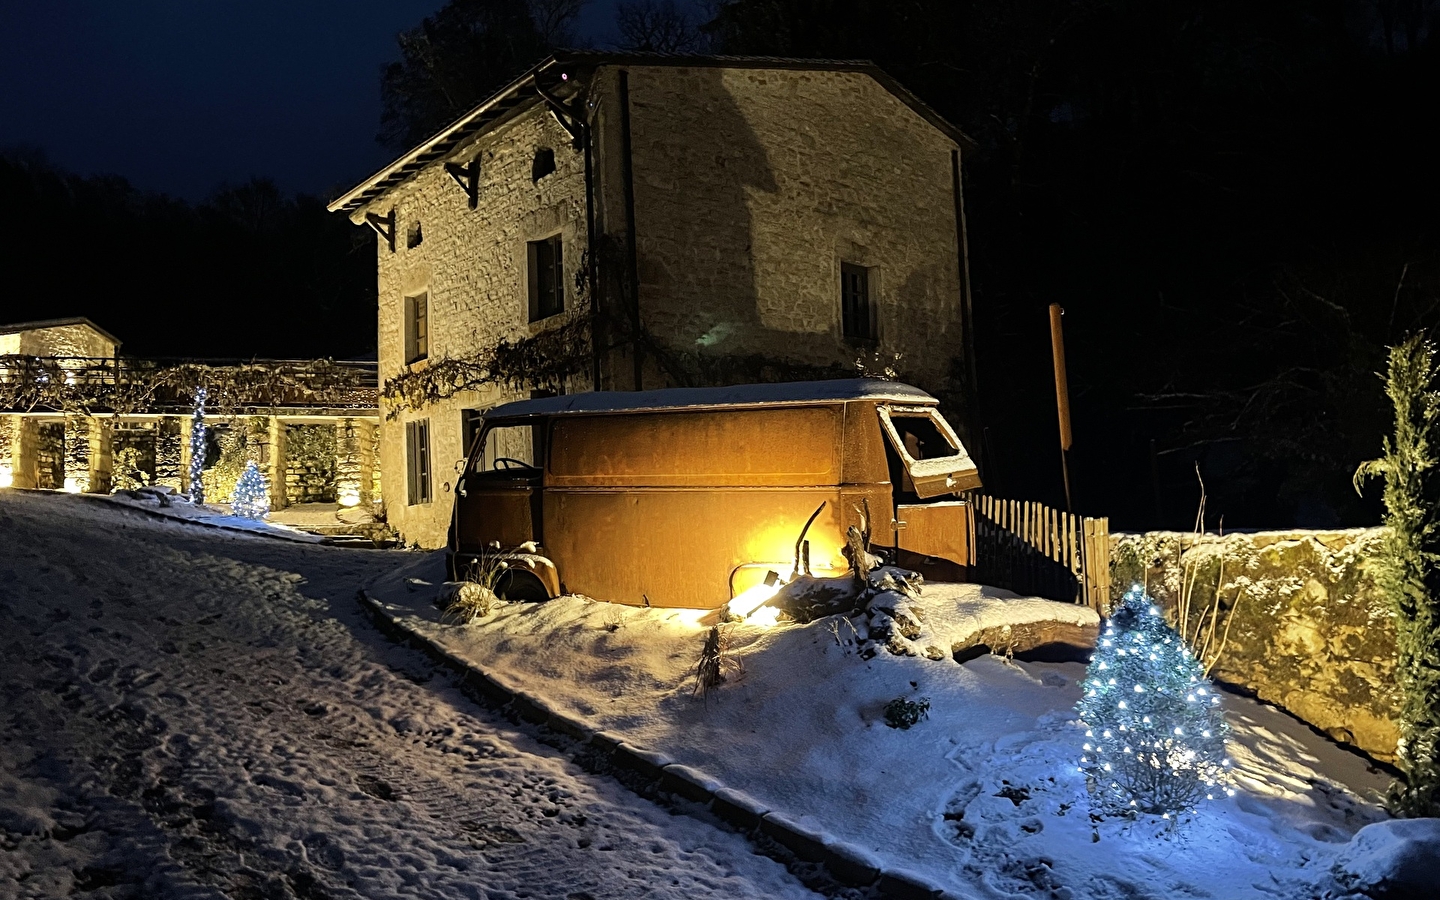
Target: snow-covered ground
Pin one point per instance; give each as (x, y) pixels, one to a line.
(984, 796)
(191, 712)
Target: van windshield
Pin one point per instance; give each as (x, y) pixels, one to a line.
(505, 448)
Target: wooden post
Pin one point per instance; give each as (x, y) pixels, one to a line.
(1062, 397)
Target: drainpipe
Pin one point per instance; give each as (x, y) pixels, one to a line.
(633, 264)
(593, 269)
(967, 316)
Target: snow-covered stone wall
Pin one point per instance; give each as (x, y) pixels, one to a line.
(1307, 628)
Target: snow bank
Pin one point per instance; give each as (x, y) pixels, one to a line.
(984, 796)
(1396, 860)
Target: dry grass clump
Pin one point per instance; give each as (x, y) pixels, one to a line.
(474, 597)
(715, 662)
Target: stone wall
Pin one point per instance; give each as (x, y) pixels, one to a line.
(310, 464)
(65, 340)
(1308, 629)
(50, 455)
(752, 186)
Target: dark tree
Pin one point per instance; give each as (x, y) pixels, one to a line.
(1232, 259)
(251, 272)
(455, 58)
(656, 26)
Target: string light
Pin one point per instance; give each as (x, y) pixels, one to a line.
(1152, 691)
(252, 496)
(197, 448)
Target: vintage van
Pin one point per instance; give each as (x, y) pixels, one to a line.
(688, 497)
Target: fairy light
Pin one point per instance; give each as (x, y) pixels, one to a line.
(1145, 684)
(251, 499)
(197, 448)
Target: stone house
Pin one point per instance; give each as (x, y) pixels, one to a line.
(706, 220)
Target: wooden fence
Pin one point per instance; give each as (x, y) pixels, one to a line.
(1033, 549)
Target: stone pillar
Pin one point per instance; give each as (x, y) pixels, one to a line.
(376, 497)
(77, 454)
(365, 437)
(102, 456)
(184, 422)
(19, 446)
(171, 453)
(275, 463)
(350, 482)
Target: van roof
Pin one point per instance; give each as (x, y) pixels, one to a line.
(788, 393)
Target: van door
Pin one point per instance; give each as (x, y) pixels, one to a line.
(929, 466)
(501, 491)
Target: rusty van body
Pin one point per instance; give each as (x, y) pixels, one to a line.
(687, 497)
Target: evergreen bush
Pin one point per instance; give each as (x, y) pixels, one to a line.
(1408, 568)
(1155, 730)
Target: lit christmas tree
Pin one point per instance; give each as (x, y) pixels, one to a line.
(252, 497)
(1155, 731)
(197, 448)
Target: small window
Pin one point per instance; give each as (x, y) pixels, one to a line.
(857, 314)
(414, 236)
(547, 278)
(417, 459)
(417, 328)
(543, 165)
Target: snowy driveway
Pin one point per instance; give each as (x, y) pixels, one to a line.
(194, 713)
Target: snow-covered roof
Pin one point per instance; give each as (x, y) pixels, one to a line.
(786, 392)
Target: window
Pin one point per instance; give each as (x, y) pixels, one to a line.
(543, 165)
(417, 459)
(414, 236)
(857, 315)
(417, 328)
(547, 278)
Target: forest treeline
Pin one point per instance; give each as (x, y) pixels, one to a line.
(1235, 202)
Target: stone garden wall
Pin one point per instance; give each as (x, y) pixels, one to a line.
(310, 464)
(1307, 628)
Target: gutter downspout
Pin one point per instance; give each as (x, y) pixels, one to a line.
(633, 264)
(967, 316)
(590, 250)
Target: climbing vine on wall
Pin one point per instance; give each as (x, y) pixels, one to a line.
(544, 360)
(90, 387)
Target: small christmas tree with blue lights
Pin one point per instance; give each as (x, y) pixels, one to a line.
(197, 448)
(252, 496)
(1155, 731)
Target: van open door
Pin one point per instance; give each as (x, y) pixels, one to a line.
(935, 461)
(932, 535)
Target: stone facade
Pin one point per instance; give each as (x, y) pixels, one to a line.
(751, 186)
(60, 337)
(1308, 629)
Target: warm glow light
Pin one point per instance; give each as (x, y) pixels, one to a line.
(72, 486)
(349, 497)
(7, 477)
(749, 600)
(765, 615)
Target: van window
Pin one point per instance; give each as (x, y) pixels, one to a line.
(926, 458)
(505, 448)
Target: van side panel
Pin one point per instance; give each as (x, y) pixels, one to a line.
(864, 461)
(790, 447)
(679, 547)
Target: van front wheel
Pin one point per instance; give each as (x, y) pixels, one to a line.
(519, 586)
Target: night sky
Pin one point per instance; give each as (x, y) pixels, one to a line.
(182, 96)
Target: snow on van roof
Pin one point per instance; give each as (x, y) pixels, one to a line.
(789, 392)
